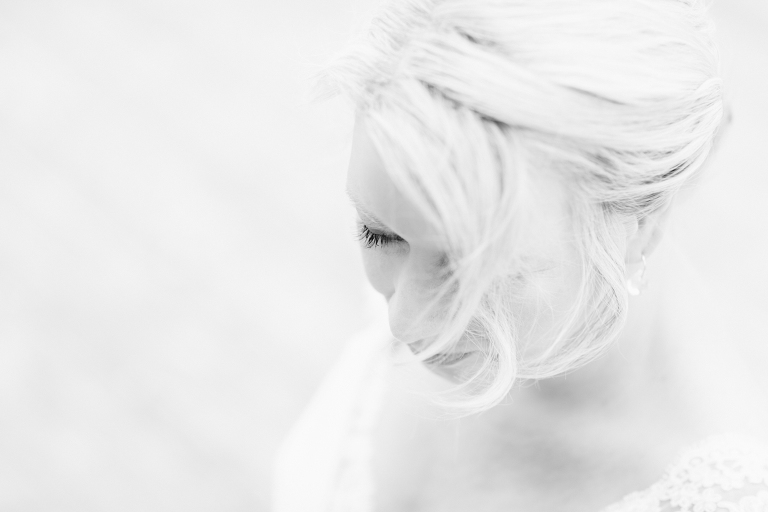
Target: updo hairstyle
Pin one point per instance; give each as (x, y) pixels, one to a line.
(467, 100)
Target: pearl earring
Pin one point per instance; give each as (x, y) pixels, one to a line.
(637, 282)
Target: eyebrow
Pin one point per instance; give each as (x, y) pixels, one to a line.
(362, 209)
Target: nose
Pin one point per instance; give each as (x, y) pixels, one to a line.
(412, 313)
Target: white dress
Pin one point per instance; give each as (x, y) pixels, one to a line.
(324, 463)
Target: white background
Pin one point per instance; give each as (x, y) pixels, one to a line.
(177, 266)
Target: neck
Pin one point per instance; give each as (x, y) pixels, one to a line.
(627, 370)
(630, 383)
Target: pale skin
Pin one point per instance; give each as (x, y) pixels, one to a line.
(577, 442)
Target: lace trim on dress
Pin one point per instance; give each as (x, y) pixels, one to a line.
(725, 473)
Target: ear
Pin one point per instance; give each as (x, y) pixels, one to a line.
(645, 234)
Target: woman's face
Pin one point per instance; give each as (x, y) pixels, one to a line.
(404, 258)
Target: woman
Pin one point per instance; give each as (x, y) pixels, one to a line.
(513, 166)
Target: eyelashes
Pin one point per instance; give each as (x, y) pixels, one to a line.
(371, 240)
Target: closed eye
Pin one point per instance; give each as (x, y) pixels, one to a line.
(371, 239)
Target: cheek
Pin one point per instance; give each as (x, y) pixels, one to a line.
(544, 307)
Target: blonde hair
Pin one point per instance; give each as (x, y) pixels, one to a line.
(466, 100)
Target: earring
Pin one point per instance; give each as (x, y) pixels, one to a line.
(637, 282)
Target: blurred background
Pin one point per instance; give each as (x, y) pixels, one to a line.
(177, 265)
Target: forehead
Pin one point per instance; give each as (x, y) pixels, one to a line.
(377, 197)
